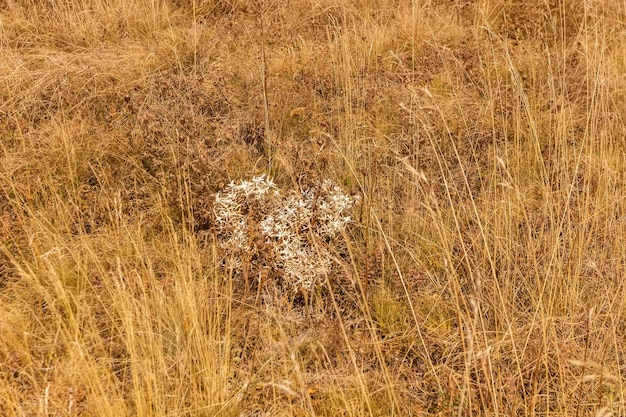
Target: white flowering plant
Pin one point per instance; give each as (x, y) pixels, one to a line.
(260, 227)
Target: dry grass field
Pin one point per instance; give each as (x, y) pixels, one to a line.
(483, 272)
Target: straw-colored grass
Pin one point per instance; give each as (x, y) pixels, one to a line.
(484, 272)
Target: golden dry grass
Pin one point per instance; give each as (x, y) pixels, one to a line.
(484, 274)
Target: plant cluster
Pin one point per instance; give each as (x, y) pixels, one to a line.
(261, 228)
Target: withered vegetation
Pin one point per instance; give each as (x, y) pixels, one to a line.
(483, 273)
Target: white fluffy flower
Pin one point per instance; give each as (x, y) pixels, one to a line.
(291, 226)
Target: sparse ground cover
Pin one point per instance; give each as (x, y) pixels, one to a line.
(483, 271)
